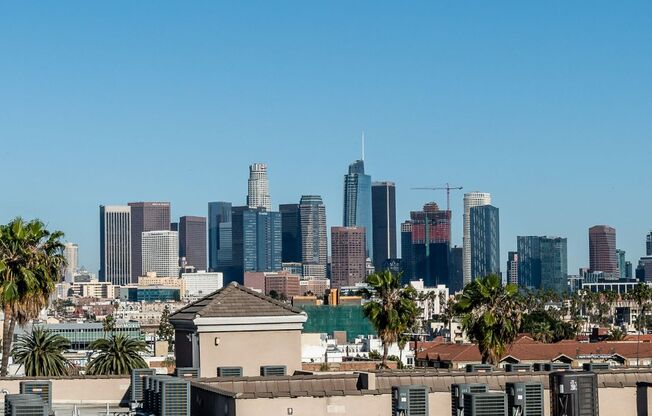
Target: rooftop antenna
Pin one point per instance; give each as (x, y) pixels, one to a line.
(363, 145)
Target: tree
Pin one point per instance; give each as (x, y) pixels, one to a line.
(117, 355)
(393, 309)
(32, 259)
(165, 330)
(491, 315)
(41, 354)
(108, 325)
(616, 334)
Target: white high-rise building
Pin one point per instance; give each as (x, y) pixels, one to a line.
(115, 244)
(471, 199)
(258, 187)
(71, 254)
(161, 253)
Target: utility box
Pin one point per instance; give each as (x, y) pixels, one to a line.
(411, 400)
(574, 393)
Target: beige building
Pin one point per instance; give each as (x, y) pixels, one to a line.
(238, 327)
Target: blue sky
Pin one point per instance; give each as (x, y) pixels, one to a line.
(547, 106)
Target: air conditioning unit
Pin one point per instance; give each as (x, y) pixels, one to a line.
(595, 366)
(187, 372)
(411, 400)
(151, 387)
(272, 370)
(457, 395)
(173, 397)
(42, 388)
(25, 405)
(518, 368)
(551, 366)
(525, 398)
(229, 371)
(137, 376)
(485, 404)
(479, 368)
(574, 393)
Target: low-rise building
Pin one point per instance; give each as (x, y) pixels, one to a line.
(201, 283)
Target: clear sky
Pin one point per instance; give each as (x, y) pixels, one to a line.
(548, 106)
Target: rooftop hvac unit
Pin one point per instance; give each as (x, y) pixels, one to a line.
(42, 388)
(229, 371)
(551, 366)
(457, 395)
(595, 366)
(525, 398)
(479, 368)
(485, 404)
(25, 405)
(574, 393)
(187, 372)
(150, 390)
(410, 400)
(137, 376)
(272, 370)
(173, 397)
(517, 368)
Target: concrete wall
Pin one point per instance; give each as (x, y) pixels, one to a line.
(80, 390)
(249, 350)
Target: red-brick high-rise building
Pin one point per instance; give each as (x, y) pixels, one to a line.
(602, 250)
(348, 256)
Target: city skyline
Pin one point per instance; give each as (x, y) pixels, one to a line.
(486, 98)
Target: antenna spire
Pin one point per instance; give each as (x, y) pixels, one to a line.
(363, 145)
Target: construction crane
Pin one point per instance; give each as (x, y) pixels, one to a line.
(447, 187)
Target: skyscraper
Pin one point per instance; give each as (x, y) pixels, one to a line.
(145, 216)
(484, 240)
(160, 253)
(471, 199)
(219, 237)
(357, 202)
(554, 264)
(622, 264)
(348, 257)
(512, 267)
(543, 263)
(314, 241)
(407, 266)
(258, 187)
(256, 242)
(602, 251)
(291, 233)
(648, 244)
(456, 269)
(115, 244)
(430, 242)
(192, 241)
(383, 209)
(71, 254)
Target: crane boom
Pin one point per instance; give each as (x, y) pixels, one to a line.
(446, 187)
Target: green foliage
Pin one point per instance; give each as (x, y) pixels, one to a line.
(545, 327)
(324, 367)
(616, 334)
(41, 354)
(491, 315)
(109, 324)
(393, 310)
(117, 355)
(165, 330)
(375, 355)
(31, 261)
(399, 363)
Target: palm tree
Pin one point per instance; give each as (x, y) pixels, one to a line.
(611, 297)
(616, 334)
(393, 311)
(33, 260)
(117, 355)
(41, 354)
(491, 315)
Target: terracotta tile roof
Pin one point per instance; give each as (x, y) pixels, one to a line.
(526, 350)
(234, 300)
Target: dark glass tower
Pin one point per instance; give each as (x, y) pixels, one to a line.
(543, 263)
(485, 241)
(529, 261)
(383, 207)
(192, 241)
(145, 216)
(291, 232)
(357, 202)
(220, 248)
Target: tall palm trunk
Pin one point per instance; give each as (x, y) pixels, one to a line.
(385, 353)
(6, 340)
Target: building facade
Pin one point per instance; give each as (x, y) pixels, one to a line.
(291, 233)
(160, 253)
(602, 250)
(471, 199)
(71, 254)
(383, 216)
(115, 244)
(512, 267)
(529, 261)
(201, 283)
(257, 242)
(220, 249)
(484, 240)
(543, 263)
(145, 216)
(348, 257)
(314, 240)
(258, 187)
(192, 241)
(357, 202)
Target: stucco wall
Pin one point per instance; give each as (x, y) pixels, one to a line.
(81, 390)
(249, 350)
